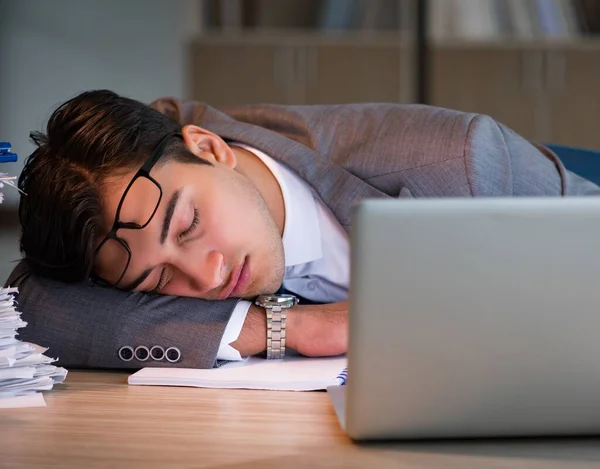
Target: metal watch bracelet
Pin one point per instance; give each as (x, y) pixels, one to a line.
(276, 321)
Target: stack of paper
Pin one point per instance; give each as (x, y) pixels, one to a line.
(24, 369)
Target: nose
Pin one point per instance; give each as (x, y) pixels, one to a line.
(204, 273)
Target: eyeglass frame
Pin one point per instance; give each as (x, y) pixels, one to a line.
(144, 171)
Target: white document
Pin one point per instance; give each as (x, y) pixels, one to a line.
(8, 351)
(29, 400)
(20, 349)
(17, 387)
(7, 361)
(34, 359)
(290, 374)
(8, 341)
(18, 372)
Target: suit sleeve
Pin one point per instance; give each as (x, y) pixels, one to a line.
(85, 325)
(500, 162)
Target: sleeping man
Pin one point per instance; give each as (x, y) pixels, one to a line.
(157, 227)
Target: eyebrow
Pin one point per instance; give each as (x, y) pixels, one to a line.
(169, 216)
(163, 237)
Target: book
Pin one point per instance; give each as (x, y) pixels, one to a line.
(293, 373)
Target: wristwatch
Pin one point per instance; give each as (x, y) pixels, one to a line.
(276, 307)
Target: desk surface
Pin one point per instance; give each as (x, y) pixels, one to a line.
(96, 420)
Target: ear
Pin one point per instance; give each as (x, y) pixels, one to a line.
(209, 146)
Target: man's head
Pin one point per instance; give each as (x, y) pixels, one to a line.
(206, 226)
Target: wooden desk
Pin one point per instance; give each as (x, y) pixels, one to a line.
(96, 420)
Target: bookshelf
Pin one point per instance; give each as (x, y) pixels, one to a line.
(300, 68)
(531, 64)
(303, 52)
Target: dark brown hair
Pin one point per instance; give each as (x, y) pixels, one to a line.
(94, 136)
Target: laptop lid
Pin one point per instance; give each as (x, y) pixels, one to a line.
(474, 317)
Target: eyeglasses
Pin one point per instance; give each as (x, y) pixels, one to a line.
(114, 249)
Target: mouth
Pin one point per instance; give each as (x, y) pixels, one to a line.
(238, 281)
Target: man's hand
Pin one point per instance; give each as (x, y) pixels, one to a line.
(319, 330)
(312, 330)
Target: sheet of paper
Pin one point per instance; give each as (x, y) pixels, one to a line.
(34, 359)
(30, 400)
(20, 349)
(290, 374)
(8, 341)
(13, 387)
(6, 362)
(20, 372)
(9, 351)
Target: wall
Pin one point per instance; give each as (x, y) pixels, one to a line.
(52, 50)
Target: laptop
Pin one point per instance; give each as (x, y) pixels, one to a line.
(473, 318)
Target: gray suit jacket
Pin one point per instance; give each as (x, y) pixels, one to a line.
(346, 153)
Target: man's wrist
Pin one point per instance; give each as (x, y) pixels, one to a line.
(291, 334)
(276, 308)
(253, 337)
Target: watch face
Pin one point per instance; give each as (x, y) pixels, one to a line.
(286, 301)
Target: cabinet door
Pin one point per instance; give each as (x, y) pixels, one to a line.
(349, 73)
(504, 84)
(573, 83)
(242, 72)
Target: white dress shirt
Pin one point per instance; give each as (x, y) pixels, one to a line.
(316, 249)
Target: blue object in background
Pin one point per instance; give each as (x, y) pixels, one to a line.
(581, 161)
(5, 154)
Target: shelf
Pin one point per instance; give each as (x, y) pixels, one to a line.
(584, 43)
(304, 37)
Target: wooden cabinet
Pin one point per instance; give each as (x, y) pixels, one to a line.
(307, 69)
(346, 73)
(227, 73)
(548, 93)
(503, 83)
(573, 89)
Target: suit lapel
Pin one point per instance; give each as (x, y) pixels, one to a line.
(339, 189)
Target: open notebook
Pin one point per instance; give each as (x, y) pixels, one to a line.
(290, 374)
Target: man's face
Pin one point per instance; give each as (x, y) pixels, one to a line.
(222, 240)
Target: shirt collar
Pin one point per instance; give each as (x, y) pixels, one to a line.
(302, 232)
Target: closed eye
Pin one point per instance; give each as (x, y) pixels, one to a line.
(190, 230)
(162, 281)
